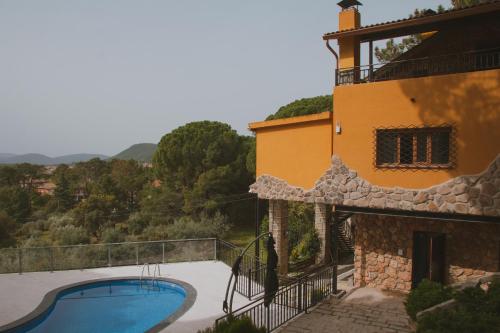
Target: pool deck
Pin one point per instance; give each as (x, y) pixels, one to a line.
(21, 293)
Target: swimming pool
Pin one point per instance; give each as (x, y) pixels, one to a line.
(118, 305)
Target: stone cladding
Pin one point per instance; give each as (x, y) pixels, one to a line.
(383, 250)
(471, 194)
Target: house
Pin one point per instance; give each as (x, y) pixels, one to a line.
(410, 154)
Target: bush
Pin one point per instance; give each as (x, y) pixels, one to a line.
(240, 325)
(69, 235)
(458, 321)
(308, 247)
(112, 235)
(476, 311)
(427, 294)
(187, 227)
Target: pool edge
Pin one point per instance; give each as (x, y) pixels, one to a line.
(49, 300)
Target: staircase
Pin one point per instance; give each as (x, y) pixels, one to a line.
(344, 236)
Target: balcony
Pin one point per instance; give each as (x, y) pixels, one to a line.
(421, 67)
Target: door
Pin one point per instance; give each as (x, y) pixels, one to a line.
(428, 257)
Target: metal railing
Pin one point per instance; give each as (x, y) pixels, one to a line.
(428, 66)
(252, 273)
(55, 258)
(290, 300)
(33, 259)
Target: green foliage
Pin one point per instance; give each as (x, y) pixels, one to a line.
(301, 226)
(308, 247)
(466, 3)
(187, 227)
(16, 202)
(62, 193)
(140, 152)
(69, 235)
(392, 50)
(233, 325)
(204, 162)
(477, 311)
(426, 294)
(7, 226)
(304, 106)
(112, 235)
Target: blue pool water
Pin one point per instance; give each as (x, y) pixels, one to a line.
(111, 306)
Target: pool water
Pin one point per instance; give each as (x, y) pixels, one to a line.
(112, 306)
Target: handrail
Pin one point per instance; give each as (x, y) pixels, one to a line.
(119, 243)
(289, 301)
(82, 256)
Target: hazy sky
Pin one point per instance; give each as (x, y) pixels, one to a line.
(95, 76)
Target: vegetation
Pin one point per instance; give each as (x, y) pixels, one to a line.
(198, 188)
(393, 49)
(426, 294)
(477, 311)
(304, 106)
(233, 325)
(142, 152)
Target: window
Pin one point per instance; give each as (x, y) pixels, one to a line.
(427, 147)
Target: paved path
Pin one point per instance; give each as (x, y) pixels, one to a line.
(366, 310)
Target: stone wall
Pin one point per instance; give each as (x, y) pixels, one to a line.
(472, 250)
(278, 226)
(474, 195)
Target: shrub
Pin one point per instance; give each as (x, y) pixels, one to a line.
(476, 311)
(69, 235)
(308, 247)
(112, 235)
(427, 294)
(240, 325)
(187, 227)
(458, 321)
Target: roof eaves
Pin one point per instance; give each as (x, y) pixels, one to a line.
(449, 12)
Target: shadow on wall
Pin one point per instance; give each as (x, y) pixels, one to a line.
(470, 102)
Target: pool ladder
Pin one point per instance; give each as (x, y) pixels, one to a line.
(154, 279)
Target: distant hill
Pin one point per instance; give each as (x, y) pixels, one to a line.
(4, 156)
(140, 152)
(46, 160)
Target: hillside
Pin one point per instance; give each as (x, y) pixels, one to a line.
(140, 152)
(46, 160)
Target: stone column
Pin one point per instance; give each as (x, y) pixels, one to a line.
(322, 224)
(278, 226)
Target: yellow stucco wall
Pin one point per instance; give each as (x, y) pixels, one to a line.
(468, 101)
(297, 149)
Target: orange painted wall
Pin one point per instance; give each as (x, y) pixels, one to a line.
(469, 101)
(297, 149)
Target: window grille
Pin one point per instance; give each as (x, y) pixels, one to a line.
(420, 148)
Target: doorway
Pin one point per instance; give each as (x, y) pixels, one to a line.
(428, 257)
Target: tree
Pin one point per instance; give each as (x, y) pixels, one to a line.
(466, 3)
(205, 161)
(130, 178)
(392, 49)
(304, 106)
(7, 227)
(62, 192)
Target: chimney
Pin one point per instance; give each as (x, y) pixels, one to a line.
(349, 47)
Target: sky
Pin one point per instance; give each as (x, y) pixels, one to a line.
(96, 76)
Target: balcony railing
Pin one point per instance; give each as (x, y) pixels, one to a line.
(412, 68)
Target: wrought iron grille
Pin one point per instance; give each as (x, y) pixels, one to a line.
(428, 66)
(417, 148)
